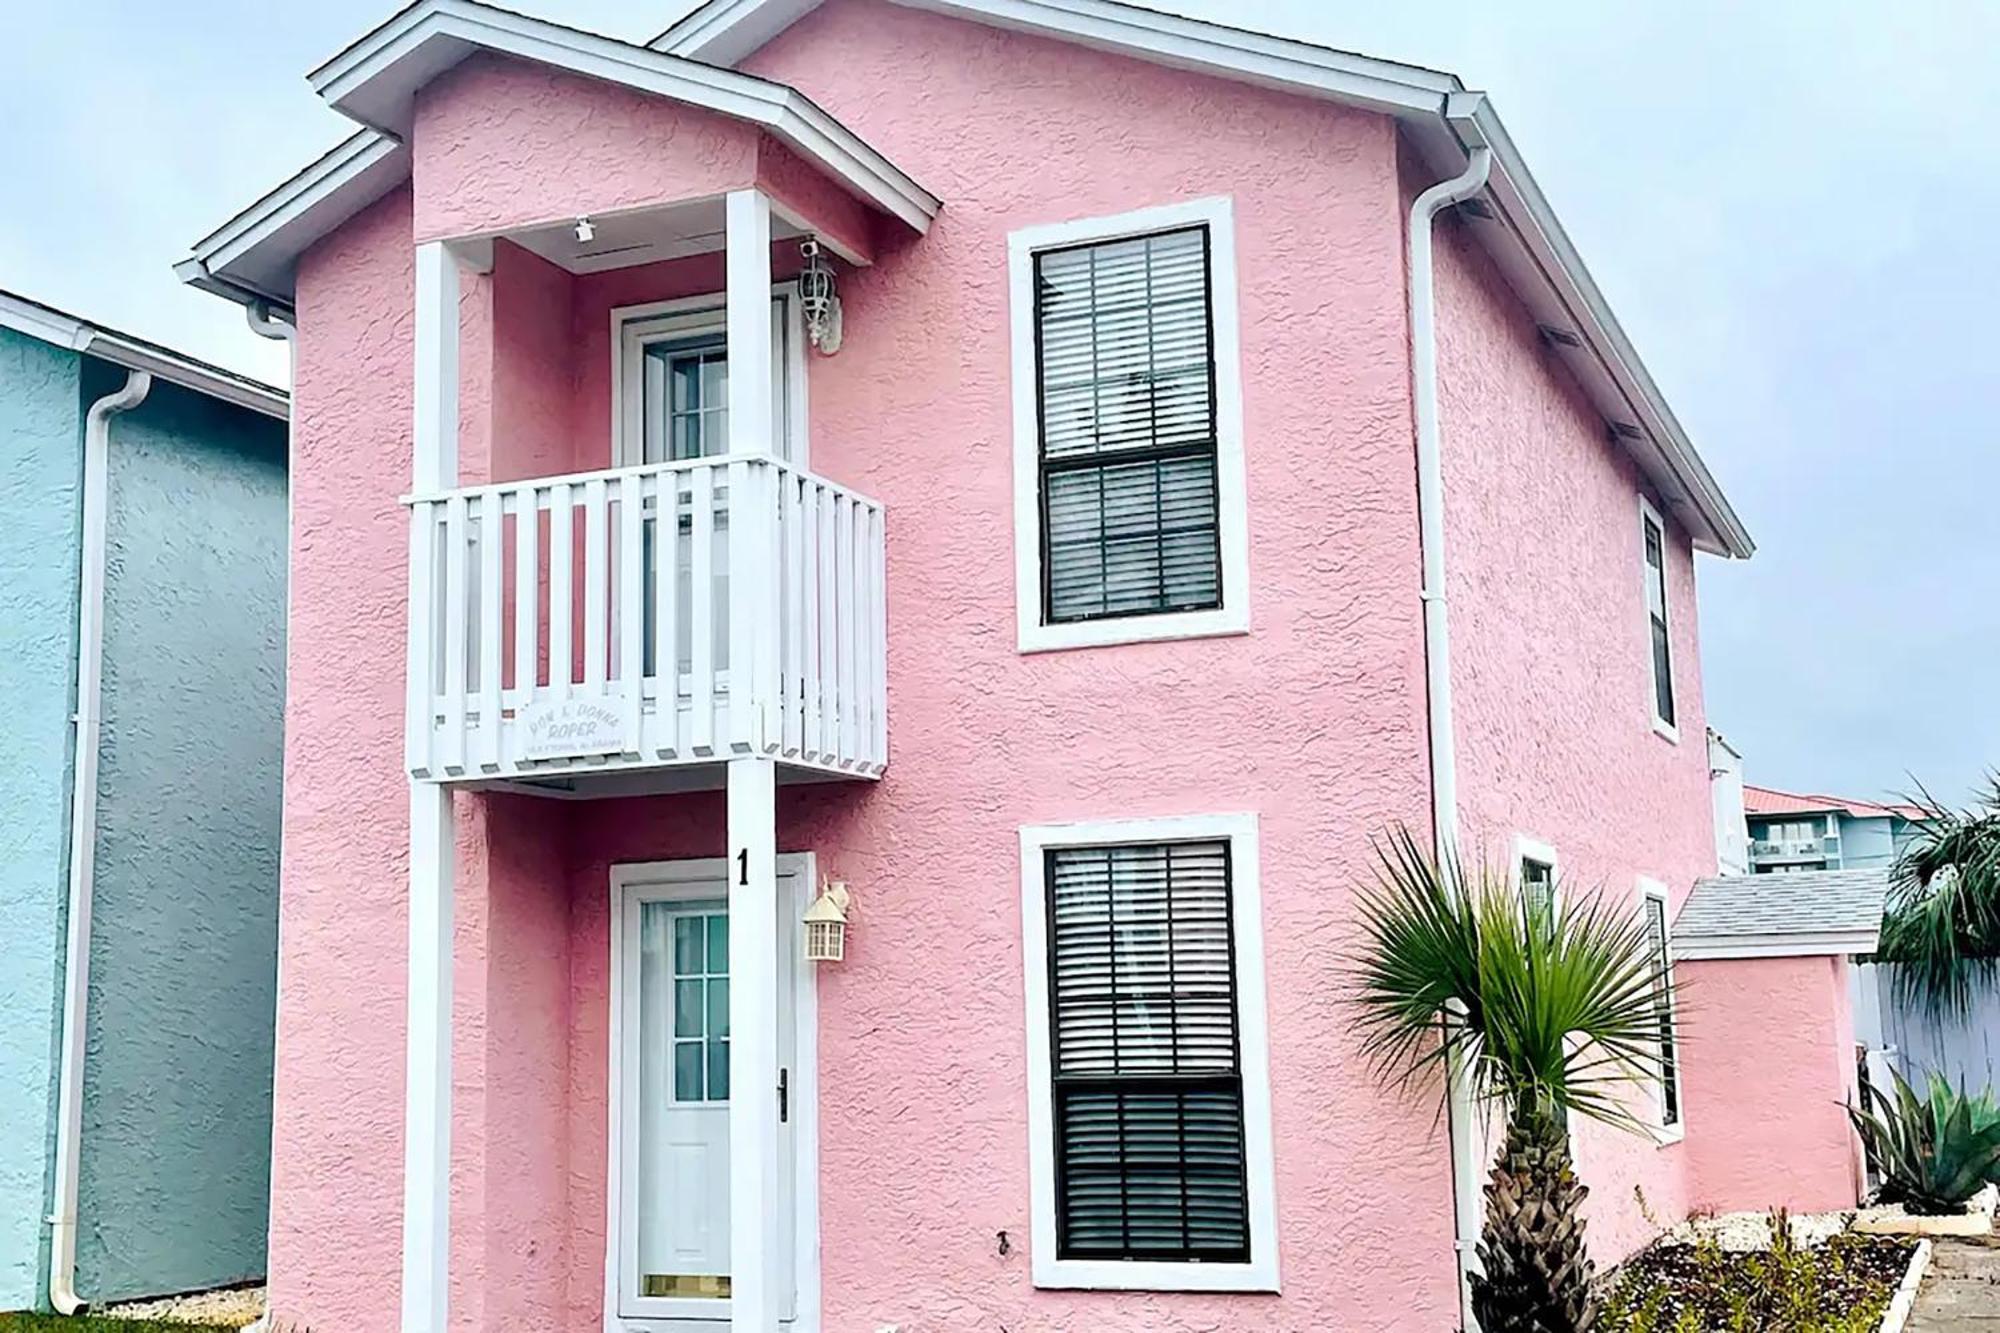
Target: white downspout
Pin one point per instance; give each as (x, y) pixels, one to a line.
(83, 835)
(265, 324)
(1460, 1112)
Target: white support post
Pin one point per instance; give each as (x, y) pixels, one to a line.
(752, 430)
(755, 1302)
(427, 1081)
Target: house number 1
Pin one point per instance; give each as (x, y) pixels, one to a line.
(743, 867)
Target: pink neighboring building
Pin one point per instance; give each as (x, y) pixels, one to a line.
(1070, 583)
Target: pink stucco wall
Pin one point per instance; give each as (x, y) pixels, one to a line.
(1768, 1051)
(1550, 658)
(1314, 720)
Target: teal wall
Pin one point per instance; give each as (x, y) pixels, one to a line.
(177, 1084)
(41, 450)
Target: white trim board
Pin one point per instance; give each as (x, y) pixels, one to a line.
(1253, 1036)
(375, 79)
(693, 878)
(1647, 889)
(55, 327)
(1232, 500)
(1444, 121)
(1800, 944)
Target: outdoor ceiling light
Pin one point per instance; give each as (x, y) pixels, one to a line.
(826, 924)
(819, 300)
(586, 232)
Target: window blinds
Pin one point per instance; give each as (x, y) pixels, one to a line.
(1670, 1081)
(1126, 378)
(1148, 1084)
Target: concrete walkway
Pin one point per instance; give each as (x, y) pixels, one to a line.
(1962, 1290)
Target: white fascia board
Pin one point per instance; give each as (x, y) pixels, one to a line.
(63, 330)
(375, 80)
(722, 32)
(1532, 223)
(1815, 944)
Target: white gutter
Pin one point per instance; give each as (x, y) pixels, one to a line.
(83, 835)
(1460, 1111)
(263, 321)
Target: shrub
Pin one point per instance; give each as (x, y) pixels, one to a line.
(1934, 1152)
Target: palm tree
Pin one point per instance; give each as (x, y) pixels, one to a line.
(1943, 923)
(1546, 1014)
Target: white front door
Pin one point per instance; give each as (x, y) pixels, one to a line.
(670, 1259)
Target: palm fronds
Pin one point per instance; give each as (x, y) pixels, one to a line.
(1555, 1011)
(1942, 927)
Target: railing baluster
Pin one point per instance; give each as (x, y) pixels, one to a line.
(875, 623)
(666, 612)
(792, 628)
(631, 603)
(829, 629)
(744, 582)
(452, 749)
(850, 694)
(701, 609)
(809, 559)
(596, 589)
(420, 670)
(562, 553)
(527, 589)
(490, 640)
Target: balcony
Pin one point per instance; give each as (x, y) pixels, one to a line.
(672, 615)
(1794, 849)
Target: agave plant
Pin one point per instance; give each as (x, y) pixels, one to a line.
(1934, 1152)
(1546, 1014)
(1942, 927)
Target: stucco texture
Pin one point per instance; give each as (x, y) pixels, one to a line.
(41, 453)
(1768, 1049)
(176, 1108)
(1550, 659)
(1314, 720)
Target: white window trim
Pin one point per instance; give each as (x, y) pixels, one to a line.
(708, 313)
(1661, 727)
(1533, 849)
(1246, 912)
(1664, 1134)
(699, 879)
(1232, 506)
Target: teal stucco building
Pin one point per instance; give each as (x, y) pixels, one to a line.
(142, 642)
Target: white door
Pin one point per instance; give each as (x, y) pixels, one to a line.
(674, 1082)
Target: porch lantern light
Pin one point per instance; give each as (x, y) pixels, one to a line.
(818, 299)
(826, 924)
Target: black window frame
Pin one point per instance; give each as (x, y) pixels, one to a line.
(1160, 1084)
(1659, 632)
(1100, 461)
(1663, 1008)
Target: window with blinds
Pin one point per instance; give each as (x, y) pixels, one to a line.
(1149, 1126)
(1670, 1079)
(1656, 617)
(1125, 378)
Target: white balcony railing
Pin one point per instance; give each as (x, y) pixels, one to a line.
(546, 642)
(1788, 848)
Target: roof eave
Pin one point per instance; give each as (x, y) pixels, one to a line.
(375, 81)
(1797, 944)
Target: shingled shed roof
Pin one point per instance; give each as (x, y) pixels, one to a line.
(1796, 915)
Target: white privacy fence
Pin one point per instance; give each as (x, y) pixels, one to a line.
(1966, 1051)
(671, 613)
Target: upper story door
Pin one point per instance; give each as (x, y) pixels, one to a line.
(672, 381)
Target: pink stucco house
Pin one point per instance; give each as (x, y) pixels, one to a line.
(1183, 455)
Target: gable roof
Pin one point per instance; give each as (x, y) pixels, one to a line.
(1443, 120)
(1799, 914)
(1761, 801)
(26, 315)
(374, 81)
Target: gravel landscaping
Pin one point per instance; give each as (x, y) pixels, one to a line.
(1717, 1276)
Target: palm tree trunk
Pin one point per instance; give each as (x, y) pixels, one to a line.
(1538, 1278)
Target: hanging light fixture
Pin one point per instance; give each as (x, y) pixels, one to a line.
(817, 296)
(826, 924)
(586, 231)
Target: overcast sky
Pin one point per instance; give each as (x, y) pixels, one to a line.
(1789, 204)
